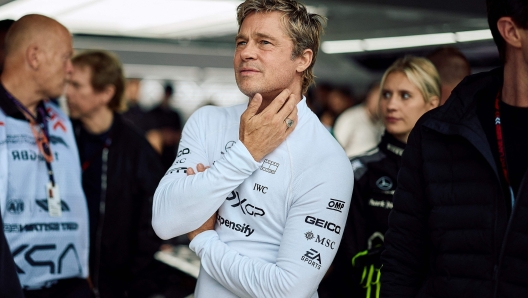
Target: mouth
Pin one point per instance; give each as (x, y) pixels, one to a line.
(391, 119)
(248, 71)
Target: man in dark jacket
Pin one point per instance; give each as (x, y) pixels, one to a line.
(120, 174)
(458, 227)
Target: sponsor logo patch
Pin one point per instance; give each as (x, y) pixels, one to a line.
(242, 228)
(384, 183)
(335, 205)
(247, 209)
(313, 258)
(269, 166)
(323, 224)
(15, 206)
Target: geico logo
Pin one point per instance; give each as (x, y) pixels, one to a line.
(335, 205)
(184, 151)
(30, 155)
(242, 228)
(323, 224)
(325, 242)
(44, 250)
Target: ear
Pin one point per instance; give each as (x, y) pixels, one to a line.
(304, 60)
(108, 93)
(33, 56)
(509, 31)
(433, 103)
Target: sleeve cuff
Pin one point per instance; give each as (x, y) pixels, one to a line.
(243, 158)
(199, 241)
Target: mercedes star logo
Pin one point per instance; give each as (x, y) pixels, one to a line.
(384, 183)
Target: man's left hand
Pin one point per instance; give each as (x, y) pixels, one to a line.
(210, 223)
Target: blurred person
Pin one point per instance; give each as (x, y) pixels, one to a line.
(133, 113)
(120, 174)
(43, 204)
(4, 27)
(164, 122)
(338, 100)
(278, 220)
(409, 88)
(316, 97)
(359, 128)
(458, 224)
(452, 66)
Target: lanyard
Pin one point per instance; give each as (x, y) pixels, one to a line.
(500, 144)
(86, 164)
(41, 136)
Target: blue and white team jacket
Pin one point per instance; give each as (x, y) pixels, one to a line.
(279, 222)
(46, 249)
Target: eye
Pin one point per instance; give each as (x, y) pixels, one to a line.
(406, 95)
(385, 95)
(240, 43)
(265, 42)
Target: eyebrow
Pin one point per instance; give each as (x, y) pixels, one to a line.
(261, 35)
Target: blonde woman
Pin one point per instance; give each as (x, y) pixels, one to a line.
(409, 88)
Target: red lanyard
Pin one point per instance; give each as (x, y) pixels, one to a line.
(500, 140)
(500, 145)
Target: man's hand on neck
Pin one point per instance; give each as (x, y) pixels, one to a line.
(267, 99)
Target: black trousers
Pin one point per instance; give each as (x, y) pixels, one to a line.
(65, 288)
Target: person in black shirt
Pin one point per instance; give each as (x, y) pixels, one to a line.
(120, 174)
(458, 227)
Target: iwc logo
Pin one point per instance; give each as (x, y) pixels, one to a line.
(384, 183)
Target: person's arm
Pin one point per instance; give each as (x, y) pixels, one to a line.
(183, 203)
(405, 259)
(301, 262)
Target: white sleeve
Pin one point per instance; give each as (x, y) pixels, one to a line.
(302, 259)
(183, 203)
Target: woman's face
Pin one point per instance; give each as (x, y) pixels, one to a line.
(401, 105)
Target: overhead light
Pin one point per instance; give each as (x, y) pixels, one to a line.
(398, 42)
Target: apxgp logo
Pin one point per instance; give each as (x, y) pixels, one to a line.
(335, 205)
(313, 258)
(245, 207)
(323, 224)
(269, 166)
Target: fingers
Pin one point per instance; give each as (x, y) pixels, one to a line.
(277, 104)
(293, 116)
(288, 107)
(190, 171)
(254, 105)
(200, 167)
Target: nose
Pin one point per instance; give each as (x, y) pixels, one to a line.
(392, 103)
(69, 67)
(248, 51)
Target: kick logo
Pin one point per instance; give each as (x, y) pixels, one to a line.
(313, 258)
(269, 166)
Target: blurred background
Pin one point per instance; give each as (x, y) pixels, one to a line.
(188, 44)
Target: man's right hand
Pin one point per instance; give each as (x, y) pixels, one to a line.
(262, 133)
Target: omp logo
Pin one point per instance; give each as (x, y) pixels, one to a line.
(313, 258)
(269, 166)
(55, 266)
(323, 224)
(260, 188)
(384, 183)
(15, 206)
(335, 205)
(176, 170)
(44, 205)
(245, 207)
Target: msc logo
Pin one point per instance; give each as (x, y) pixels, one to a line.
(384, 183)
(323, 224)
(313, 258)
(44, 205)
(323, 241)
(335, 205)
(176, 170)
(245, 207)
(269, 166)
(262, 189)
(15, 206)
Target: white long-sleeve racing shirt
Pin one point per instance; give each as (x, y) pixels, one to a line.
(279, 222)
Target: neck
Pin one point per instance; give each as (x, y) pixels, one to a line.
(515, 88)
(20, 90)
(402, 138)
(98, 122)
(268, 98)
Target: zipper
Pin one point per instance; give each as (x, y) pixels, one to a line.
(496, 269)
(102, 208)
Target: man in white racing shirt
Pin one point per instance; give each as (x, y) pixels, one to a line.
(266, 206)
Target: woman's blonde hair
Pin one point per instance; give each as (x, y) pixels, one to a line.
(421, 72)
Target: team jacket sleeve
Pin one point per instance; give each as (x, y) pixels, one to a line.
(405, 258)
(309, 243)
(183, 203)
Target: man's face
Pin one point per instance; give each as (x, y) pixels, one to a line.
(263, 57)
(83, 100)
(56, 67)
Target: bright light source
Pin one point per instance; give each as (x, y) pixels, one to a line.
(398, 42)
(473, 35)
(342, 46)
(385, 43)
